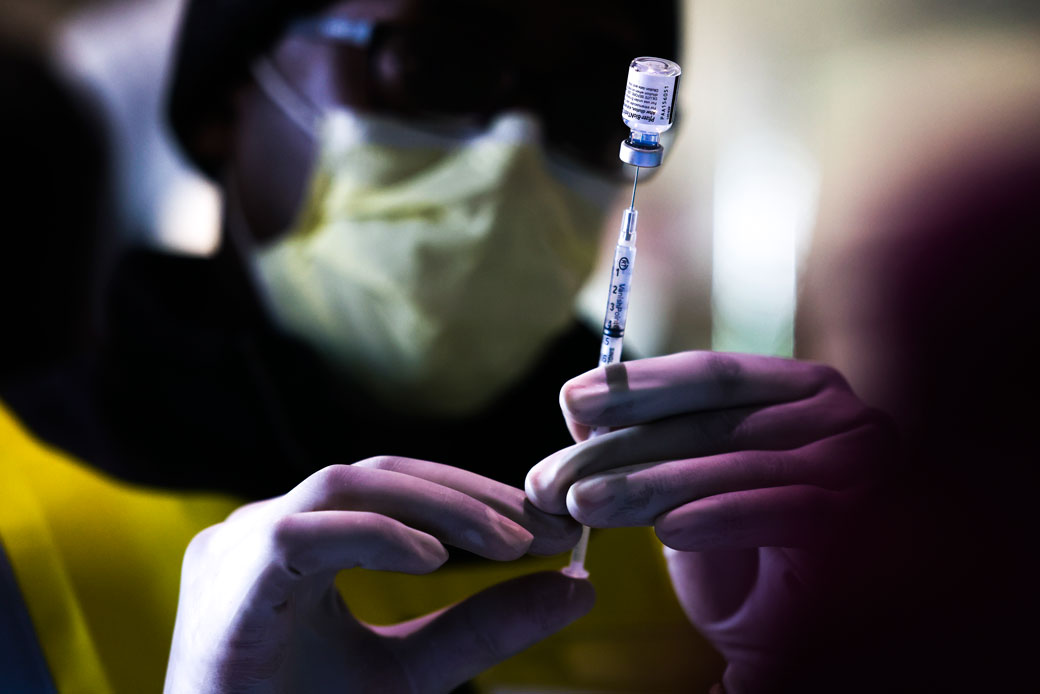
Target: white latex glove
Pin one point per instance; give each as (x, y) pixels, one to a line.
(259, 612)
(750, 469)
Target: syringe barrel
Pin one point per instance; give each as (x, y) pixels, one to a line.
(616, 314)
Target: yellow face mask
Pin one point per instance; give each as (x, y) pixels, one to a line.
(433, 269)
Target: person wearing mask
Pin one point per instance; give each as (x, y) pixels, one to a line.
(410, 210)
(429, 272)
(232, 400)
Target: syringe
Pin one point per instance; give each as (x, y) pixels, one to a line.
(649, 111)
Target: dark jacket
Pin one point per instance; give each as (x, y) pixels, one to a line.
(195, 389)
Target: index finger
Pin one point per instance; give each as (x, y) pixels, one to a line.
(649, 389)
(552, 533)
(449, 515)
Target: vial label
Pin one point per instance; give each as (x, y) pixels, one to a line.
(649, 99)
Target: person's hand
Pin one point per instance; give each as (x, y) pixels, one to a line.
(259, 611)
(751, 471)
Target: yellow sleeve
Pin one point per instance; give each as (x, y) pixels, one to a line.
(98, 563)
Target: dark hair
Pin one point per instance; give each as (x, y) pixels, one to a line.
(55, 169)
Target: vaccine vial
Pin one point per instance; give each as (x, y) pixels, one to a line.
(648, 109)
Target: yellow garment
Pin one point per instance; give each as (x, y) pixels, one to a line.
(636, 639)
(98, 563)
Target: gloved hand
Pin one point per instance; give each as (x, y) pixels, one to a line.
(259, 612)
(750, 469)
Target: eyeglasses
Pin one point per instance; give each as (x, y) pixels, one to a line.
(451, 64)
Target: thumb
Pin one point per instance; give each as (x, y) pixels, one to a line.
(453, 645)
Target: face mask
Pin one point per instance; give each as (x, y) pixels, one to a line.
(431, 268)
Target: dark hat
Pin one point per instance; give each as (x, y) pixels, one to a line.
(220, 39)
(217, 42)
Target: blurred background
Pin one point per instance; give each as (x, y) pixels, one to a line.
(799, 122)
